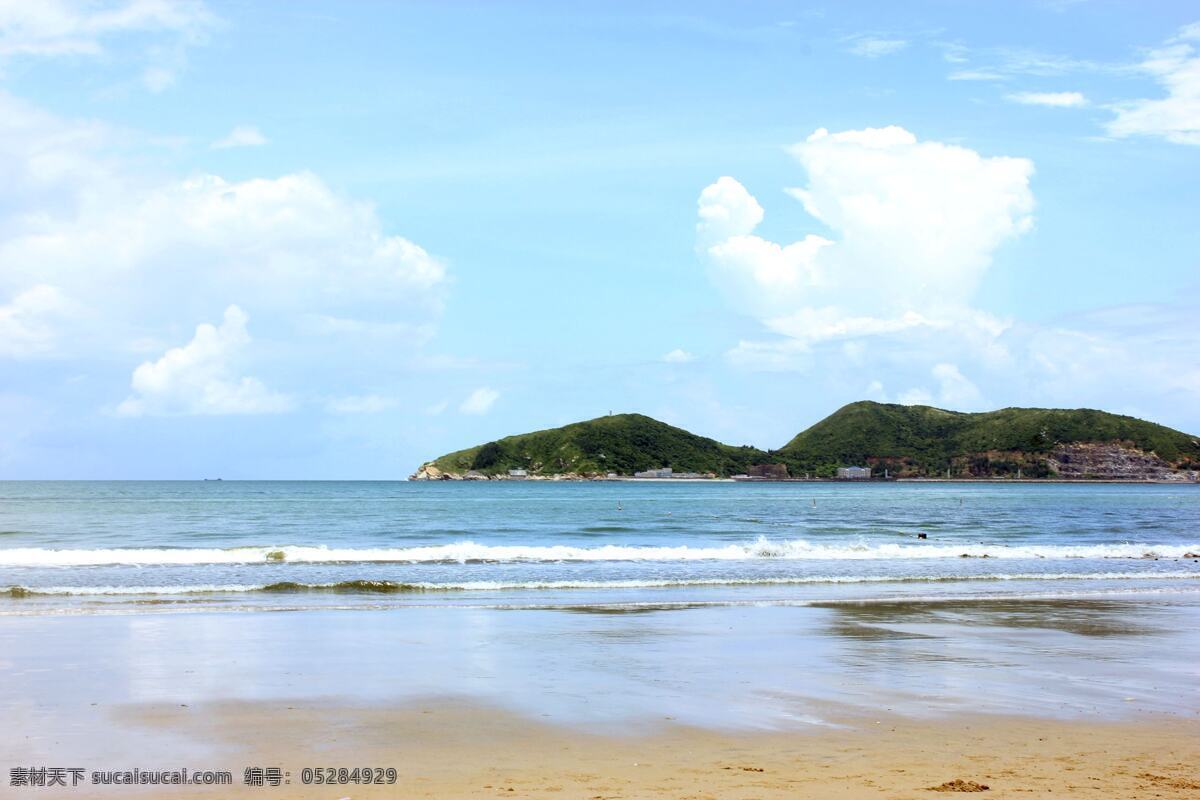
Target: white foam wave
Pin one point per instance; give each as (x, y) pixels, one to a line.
(634, 583)
(467, 551)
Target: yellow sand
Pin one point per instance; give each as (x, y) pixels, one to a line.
(451, 750)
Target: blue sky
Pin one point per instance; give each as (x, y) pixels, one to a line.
(330, 240)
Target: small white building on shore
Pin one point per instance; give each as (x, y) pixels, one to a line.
(853, 473)
(664, 472)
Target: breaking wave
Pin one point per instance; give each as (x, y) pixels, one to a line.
(467, 552)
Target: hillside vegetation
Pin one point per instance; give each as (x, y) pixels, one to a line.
(921, 440)
(907, 441)
(620, 443)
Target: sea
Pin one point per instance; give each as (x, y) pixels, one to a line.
(609, 605)
(84, 547)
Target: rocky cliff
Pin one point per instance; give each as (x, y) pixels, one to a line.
(1114, 461)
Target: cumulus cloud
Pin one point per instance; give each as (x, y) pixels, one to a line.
(678, 356)
(74, 217)
(1176, 117)
(98, 261)
(913, 228)
(199, 377)
(479, 401)
(288, 241)
(832, 322)
(240, 136)
(915, 225)
(726, 209)
(1052, 99)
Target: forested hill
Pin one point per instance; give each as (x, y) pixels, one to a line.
(1041, 442)
(620, 443)
(896, 440)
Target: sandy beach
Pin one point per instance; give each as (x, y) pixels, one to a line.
(1068, 699)
(444, 748)
(585, 652)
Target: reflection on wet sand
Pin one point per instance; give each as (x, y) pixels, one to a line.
(611, 667)
(1083, 617)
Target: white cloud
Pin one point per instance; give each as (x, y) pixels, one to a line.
(781, 355)
(328, 285)
(1053, 99)
(240, 136)
(763, 273)
(27, 323)
(870, 46)
(67, 27)
(893, 291)
(821, 324)
(678, 356)
(955, 390)
(198, 378)
(976, 75)
(304, 257)
(479, 401)
(360, 404)
(50, 28)
(954, 52)
(1176, 117)
(1005, 63)
(1142, 353)
(288, 241)
(726, 209)
(915, 226)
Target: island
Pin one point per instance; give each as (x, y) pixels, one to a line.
(860, 441)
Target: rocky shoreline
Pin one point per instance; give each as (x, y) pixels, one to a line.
(430, 472)
(435, 474)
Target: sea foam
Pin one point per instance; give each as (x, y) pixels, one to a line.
(472, 552)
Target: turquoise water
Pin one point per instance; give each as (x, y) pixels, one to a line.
(253, 545)
(606, 604)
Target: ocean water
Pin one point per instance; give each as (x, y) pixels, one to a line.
(125, 547)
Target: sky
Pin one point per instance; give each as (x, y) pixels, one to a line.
(334, 240)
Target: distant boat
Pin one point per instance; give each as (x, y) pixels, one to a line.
(212, 479)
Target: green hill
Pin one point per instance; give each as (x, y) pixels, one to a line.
(921, 440)
(906, 441)
(620, 443)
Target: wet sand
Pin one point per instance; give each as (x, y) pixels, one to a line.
(1076, 698)
(449, 749)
